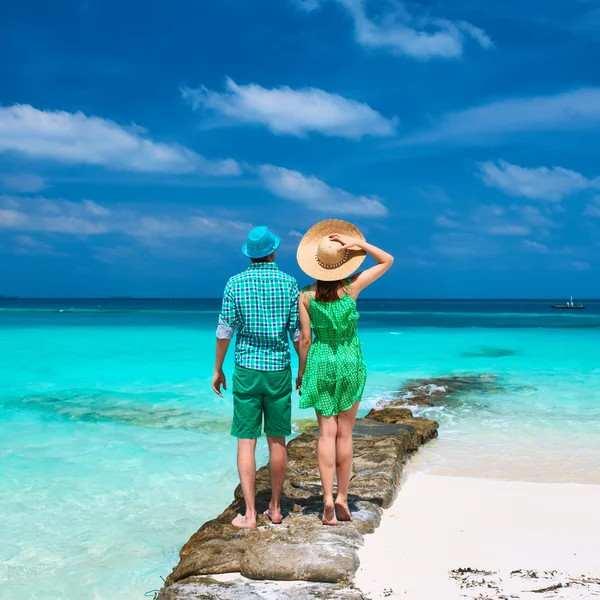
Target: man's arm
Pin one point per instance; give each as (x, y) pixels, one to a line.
(225, 332)
(294, 328)
(219, 377)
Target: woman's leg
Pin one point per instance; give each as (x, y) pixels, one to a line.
(328, 428)
(343, 452)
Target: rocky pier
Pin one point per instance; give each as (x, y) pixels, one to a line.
(320, 561)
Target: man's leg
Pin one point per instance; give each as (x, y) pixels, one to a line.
(277, 407)
(247, 470)
(246, 426)
(277, 466)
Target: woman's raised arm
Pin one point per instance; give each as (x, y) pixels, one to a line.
(365, 278)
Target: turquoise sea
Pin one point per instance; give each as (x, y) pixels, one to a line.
(114, 450)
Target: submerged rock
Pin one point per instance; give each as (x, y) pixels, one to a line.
(487, 352)
(438, 390)
(303, 425)
(301, 548)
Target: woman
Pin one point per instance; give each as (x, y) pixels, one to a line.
(332, 371)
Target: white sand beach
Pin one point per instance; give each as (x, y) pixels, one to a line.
(439, 524)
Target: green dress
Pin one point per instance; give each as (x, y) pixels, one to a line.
(335, 373)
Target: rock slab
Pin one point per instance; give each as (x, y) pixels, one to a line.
(302, 549)
(207, 588)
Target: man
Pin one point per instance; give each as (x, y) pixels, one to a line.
(262, 304)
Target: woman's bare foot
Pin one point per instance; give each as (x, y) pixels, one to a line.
(329, 517)
(274, 515)
(244, 522)
(343, 512)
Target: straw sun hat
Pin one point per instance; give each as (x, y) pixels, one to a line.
(319, 257)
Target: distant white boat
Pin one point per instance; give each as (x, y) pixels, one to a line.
(569, 305)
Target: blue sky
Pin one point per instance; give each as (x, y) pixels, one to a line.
(140, 140)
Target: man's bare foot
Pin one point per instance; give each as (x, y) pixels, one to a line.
(343, 512)
(274, 515)
(244, 522)
(329, 517)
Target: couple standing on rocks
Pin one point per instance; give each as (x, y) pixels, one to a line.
(267, 308)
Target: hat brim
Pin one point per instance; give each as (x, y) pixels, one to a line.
(307, 250)
(264, 254)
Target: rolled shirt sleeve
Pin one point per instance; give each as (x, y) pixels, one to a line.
(224, 332)
(227, 318)
(294, 315)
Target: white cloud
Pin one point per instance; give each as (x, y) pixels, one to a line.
(75, 138)
(113, 254)
(23, 182)
(56, 216)
(463, 245)
(26, 245)
(495, 220)
(536, 246)
(576, 109)
(578, 265)
(413, 261)
(571, 265)
(444, 221)
(593, 208)
(541, 183)
(317, 195)
(185, 226)
(533, 216)
(87, 218)
(435, 193)
(399, 32)
(476, 33)
(307, 5)
(562, 256)
(294, 112)
(509, 229)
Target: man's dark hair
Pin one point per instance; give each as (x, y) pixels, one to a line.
(264, 259)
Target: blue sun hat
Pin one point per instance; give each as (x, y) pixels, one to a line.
(260, 243)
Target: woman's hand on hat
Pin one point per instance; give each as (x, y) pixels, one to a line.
(345, 240)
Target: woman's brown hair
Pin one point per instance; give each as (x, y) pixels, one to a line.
(327, 291)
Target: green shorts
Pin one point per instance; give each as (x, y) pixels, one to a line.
(258, 393)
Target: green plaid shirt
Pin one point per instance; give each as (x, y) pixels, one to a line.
(262, 304)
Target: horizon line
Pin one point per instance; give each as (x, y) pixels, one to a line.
(187, 298)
